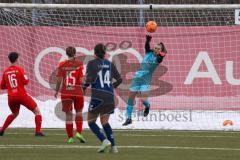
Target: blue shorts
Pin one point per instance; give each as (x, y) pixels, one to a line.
(102, 106)
(140, 85)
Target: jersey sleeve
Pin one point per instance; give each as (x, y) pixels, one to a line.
(116, 75)
(159, 58)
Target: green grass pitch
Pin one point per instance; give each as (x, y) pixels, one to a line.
(20, 144)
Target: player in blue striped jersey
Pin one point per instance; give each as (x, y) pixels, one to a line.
(141, 83)
(100, 74)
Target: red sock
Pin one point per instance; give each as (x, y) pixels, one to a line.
(79, 123)
(69, 129)
(8, 121)
(38, 122)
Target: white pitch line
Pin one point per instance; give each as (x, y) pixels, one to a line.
(132, 147)
(169, 135)
(22, 133)
(154, 130)
(138, 135)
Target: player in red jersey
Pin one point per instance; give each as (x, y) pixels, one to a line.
(69, 83)
(14, 80)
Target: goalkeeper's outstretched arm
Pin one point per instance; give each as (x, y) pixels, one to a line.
(147, 43)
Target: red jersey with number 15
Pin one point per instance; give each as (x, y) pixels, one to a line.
(71, 72)
(14, 80)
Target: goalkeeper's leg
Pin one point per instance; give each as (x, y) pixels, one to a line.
(147, 107)
(145, 102)
(130, 104)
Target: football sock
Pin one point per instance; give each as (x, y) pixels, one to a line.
(129, 108)
(96, 130)
(69, 129)
(8, 121)
(146, 103)
(79, 123)
(38, 123)
(108, 130)
(129, 111)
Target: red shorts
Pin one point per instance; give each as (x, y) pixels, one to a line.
(68, 102)
(14, 103)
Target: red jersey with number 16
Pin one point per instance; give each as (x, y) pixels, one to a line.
(71, 71)
(14, 80)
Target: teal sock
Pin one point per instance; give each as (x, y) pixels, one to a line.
(146, 103)
(129, 108)
(129, 111)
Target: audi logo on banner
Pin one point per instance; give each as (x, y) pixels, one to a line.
(86, 52)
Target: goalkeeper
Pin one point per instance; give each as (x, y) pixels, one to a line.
(141, 83)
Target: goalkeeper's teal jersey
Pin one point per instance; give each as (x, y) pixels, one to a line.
(148, 66)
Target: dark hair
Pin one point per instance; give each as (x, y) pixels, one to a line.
(163, 47)
(70, 51)
(13, 56)
(100, 50)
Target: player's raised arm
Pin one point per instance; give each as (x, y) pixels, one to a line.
(116, 75)
(147, 43)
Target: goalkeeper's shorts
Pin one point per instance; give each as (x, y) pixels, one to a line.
(140, 85)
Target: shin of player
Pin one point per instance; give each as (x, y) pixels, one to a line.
(100, 73)
(69, 82)
(14, 81)
(141, 83)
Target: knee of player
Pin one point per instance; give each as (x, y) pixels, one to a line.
(79, 114)
(15, 114)
(91, 122)
(36, 111)
(104, 122)
(132, 94)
